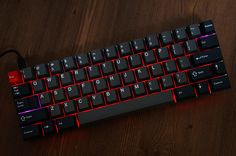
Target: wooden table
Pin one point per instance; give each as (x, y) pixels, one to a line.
(46, 29)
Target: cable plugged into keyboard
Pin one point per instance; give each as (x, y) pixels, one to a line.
(161, 68)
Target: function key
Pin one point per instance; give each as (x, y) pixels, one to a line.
(219, 83)
(125, 49)
(55, 67)
(138, 45)
(152, 41)
(38, 86)
(208, 42)
(180, 34)
(149, 57)
(69, 63)
(111, 53)
(163, 54)
(166, 38)
(48, 127)
(41, 70)
(28, 74)
(207, 27)
(176, 50)
(97, 56)
(83, 60)
(191, 46)
(194, 31)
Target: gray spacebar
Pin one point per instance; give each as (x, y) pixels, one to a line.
(125, 107)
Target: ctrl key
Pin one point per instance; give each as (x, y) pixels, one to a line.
(31, 131)
(219, 83)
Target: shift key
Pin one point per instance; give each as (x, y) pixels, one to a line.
(200, 73)
(33, 116)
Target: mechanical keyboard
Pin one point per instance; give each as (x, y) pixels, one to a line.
(161, 68)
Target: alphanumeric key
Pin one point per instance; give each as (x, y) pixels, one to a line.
(138, 45)
(45, 99)
(191, 46)
(100, 84)
(83, 60)
(111, 96)
(183, 63)
(73, 92)
(125, 93)
(128, 77)
(121, 64)
(149, 57)
(66, 79)
(163, 54)
(86, 88)
(59, 95)
(55, 67)
(107, 68)
(80, 75)
(156, 70)
(142, 74)
(176, 50)
(139, 89)
(28, 73)
(83, 104)
(69, 107)
(202, 88)
(114, 81)
(69, 63)
(94, 72)
(41, 70)
(219, 68)
(97, 100)
(152, 41)
(125, 49)
(180, 78)
(180, 34)
(52, 82)
(55, 111)
(153, 86)
(97, 56)
(166, 37)
(194, 31)
(111, 53)
(39, 86)
(135, 61)
(167, 82)
(170, 66)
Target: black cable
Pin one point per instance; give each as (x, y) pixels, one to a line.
(21, 63)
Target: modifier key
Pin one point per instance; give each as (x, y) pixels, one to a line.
(219, 83)
(184, 92)
(31, 131)
(200, 73)
(67, 122)
(33, 116)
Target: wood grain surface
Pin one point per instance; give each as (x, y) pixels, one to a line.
(52, 29)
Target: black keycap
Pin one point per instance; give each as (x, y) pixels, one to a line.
(21, 90)
(153, 86)
(180, 34)
(181, 78)
(149, 57)
(142, 74)
(194, 31)
(80, 75)
(207, 27)
(38, 86)
(219, 83)
(27, 103)
(86, 88)
(53, 82)
(45, 98)
(128, 77)
(55, 67)
(205, 57)
(183, 63)
(191, 46)
(111, 53)
(139, 89)
(125, 49)
(97, 56)
(55, 111)
(114, 81)
(138, 45)
(69, 107)
(28, 73)
(48, 127)
(111, 96)
(94, 72)
(107, 68)
(73, 92)
(219, 68)
(59, 95)
(208, 42)
(125, 93)
(100, 84)
(69, 63)
(33, 116)
(184, 92)
(176, 50)
(31, 131)
(152, 41)
(121, 64)
(97, 100)
(163, 54)
(66, 78)
(83, 104)
(170, 66)
(135, 61)
(167, 82)
(200, 73)
(202, 88)
(166, 38)
(83, 60)
(65, 123)
(156, 70)
(41, 70)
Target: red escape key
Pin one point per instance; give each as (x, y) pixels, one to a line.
(15, 77)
